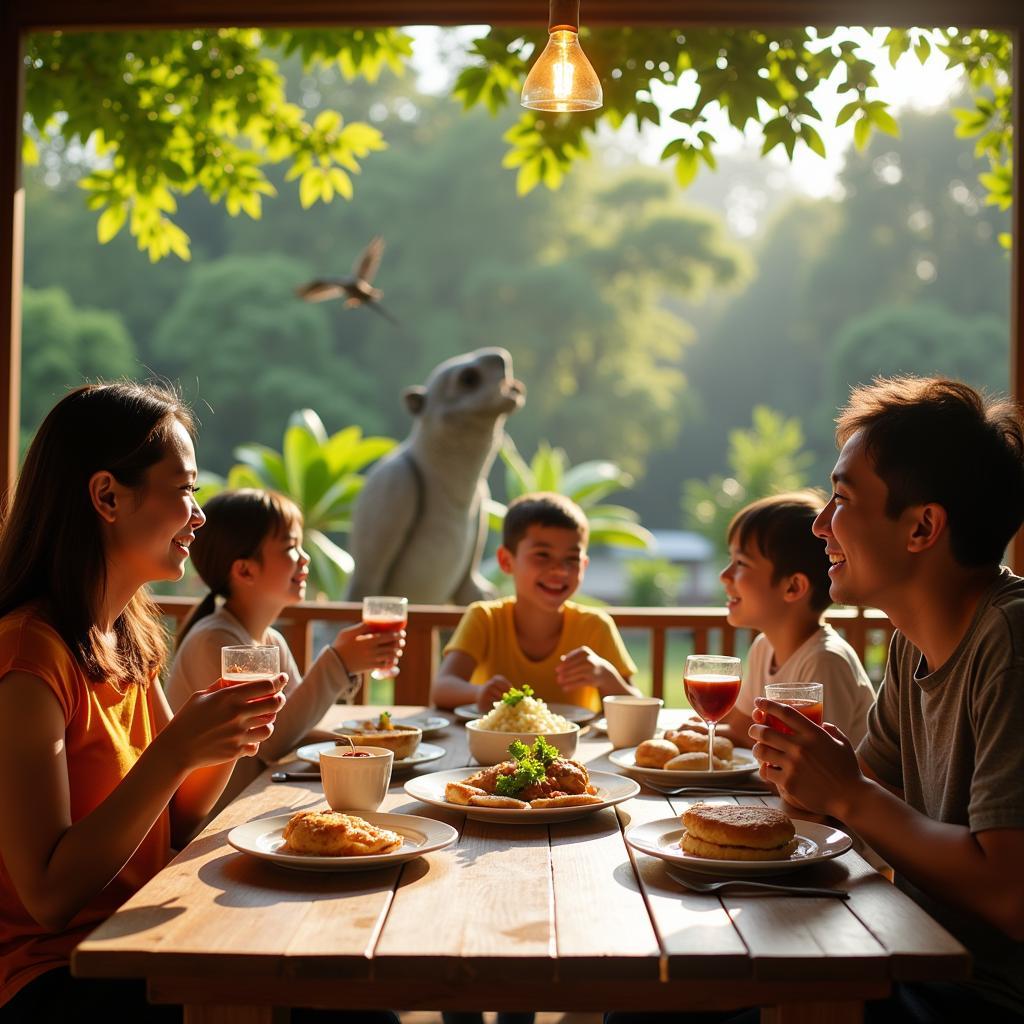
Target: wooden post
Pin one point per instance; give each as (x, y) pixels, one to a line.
(1017, 259)
(12, 235)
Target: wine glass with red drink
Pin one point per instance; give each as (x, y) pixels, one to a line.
(385, 615)
(712, 684)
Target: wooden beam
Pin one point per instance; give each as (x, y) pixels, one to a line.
(101, 14)
(12, 231)
(1017, 257)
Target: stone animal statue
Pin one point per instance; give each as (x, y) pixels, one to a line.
(419, 525)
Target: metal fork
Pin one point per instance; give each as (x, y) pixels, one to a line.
(705, 791)
(733, 883)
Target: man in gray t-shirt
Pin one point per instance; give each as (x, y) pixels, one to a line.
(937, 784)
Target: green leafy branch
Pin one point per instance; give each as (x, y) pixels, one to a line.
(166, 113)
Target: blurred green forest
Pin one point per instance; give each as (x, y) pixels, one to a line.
(644, 329)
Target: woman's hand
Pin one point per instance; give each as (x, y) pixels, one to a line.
(223, 723)
(362, 651)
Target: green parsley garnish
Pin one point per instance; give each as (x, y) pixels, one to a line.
(531, 766)
(516, 694)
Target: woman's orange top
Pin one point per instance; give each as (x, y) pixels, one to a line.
(105, 732)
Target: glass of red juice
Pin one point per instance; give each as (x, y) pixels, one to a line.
(385, 615)
(807, 698)
(712, 684)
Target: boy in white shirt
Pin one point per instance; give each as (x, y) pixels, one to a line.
(777, 582)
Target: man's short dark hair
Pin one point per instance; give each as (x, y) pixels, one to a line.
(938, 440)
(780, 528)
(542, 509)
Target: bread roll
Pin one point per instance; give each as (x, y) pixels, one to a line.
(731, 832)
(687, 740)
(695, 761)
(654, 753)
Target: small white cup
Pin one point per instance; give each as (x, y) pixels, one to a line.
(356, 783)
(631, 720)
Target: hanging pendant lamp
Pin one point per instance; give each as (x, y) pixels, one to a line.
(562, 79)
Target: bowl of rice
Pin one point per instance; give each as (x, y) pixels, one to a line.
(519, 716)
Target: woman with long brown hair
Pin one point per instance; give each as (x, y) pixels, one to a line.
(97, 780)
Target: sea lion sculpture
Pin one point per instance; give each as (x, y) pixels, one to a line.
(420, 522)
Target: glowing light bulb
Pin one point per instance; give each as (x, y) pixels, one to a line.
(562, 79)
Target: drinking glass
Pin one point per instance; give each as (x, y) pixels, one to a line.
(245, 664)
(807, 698)
(385, 615)
(712, 684)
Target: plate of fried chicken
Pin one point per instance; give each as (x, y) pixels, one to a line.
(535, 786)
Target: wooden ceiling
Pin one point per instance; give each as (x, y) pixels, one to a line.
(99, 14)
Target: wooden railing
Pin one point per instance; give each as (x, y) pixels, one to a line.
(867, 630)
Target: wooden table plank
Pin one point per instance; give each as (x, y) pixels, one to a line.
(697, 937)
(598, 913)
(474, 908)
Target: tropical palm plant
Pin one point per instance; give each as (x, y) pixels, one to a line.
(587, 483)
(322, 475)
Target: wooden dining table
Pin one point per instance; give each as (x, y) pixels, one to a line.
(512, 917)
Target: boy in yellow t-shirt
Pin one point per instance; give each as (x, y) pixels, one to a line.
(566, 652)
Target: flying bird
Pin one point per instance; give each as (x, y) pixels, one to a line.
(358, 289)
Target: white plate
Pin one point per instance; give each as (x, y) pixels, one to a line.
(661, 838)
(430, 724)
(264, 838)
(612, 789)
(423, 754)
(572, 712)
(626, 759)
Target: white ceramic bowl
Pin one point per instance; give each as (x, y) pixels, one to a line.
(489, 747)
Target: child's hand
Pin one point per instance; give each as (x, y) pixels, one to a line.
(362, 651)
(492, 691)
(582, 667)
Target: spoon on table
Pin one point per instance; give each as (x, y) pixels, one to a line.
(290, 776)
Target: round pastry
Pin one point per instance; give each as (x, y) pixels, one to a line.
(732, 832)
(332, 834)
(687, 740)
(654, 753)
(695, 761)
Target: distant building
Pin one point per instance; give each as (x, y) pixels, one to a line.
(608, 576)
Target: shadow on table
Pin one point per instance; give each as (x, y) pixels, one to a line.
(135, 920)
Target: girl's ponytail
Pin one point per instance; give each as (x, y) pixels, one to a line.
(207, 606)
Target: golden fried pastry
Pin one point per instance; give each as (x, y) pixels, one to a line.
(687, 740)
(566, 800)
(332, 834)
(461, 793)
(695, 761)
(493, 800)
(731, 832)
(654, 753)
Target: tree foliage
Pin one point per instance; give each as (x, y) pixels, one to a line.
(64, 345)
(166, 113)
(763, 78)
(323, 475)
(169, 112)
(766, 459)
